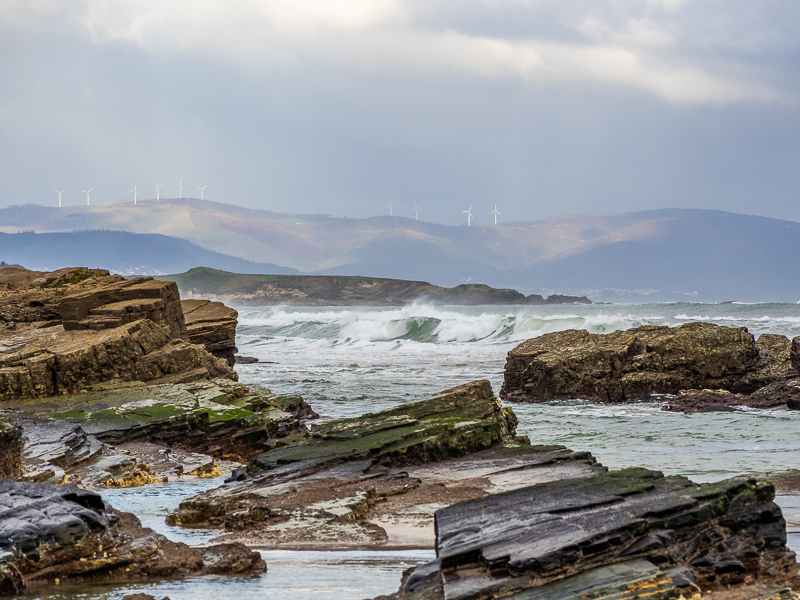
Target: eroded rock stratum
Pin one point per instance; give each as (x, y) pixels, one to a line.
(637, 362)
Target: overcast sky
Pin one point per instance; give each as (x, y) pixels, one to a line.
(544, 107)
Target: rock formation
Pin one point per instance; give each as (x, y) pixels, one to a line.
(375, 480)
(53, 534)
(213, 326)
(74, 328)
(11, 443)
(645, 360)
(631, 534)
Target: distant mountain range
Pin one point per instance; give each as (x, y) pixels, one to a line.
(660, 255)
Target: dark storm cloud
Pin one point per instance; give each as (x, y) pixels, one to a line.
(309, 106)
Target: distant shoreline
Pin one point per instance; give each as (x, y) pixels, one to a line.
(333, 290)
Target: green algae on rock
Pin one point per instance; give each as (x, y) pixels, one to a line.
(375, 480)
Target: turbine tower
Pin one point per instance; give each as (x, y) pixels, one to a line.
(390, 205)
(495, 212)
(158, 185)
(416, 211)
(468, 212)
(201, 190)
(59, 197)
(135, 193)
(180, 188)
(87, 195)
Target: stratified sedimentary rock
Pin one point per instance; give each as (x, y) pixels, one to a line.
(630, 534)
(67, 330)
(376, 480)
(213, 326)
(645, 360)
(55, 534)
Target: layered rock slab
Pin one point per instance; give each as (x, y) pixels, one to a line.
(52, 534)
(626, 534)
(213, 326)
(645, 360)
(376, 480)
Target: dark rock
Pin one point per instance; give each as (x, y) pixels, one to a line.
(245, 360)
(375, 480)
(638, 362)
(630, 534)
(779, 393)
(11, 444)
(692, 401)
(213, 326)
(51, 534)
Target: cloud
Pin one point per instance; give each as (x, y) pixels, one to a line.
(628, 44)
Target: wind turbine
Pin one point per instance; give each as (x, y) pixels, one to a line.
(416, 211)
(180, 188)
(391, 204)
(87, 195)
(469, 215)
(495, 212)
(158, 185)
(201, 190)
(135, 193)
(59, 197)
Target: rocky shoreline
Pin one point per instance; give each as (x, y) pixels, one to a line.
(108, 382)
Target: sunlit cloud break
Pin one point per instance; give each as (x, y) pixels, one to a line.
(642, 49)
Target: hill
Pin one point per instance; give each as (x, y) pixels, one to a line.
(118, 251)
(668, 254)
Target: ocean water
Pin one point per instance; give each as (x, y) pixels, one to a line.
(348, 361)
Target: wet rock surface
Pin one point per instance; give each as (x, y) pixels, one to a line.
(646, 360)
(213, 326)
(626, 534)
(52, 534)
(780, 394)
(376, 480)
(126, 435)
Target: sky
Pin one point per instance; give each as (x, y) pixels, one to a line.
(542, 107)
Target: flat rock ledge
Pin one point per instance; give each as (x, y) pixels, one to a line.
(655, 360)
(375, 481)
(127, 434)
(54, 534)
(629, 534)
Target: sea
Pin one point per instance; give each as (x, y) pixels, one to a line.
(347, 361)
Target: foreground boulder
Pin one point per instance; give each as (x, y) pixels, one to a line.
(631, 534)
(637, 362)
(375, 480)
(54, 534)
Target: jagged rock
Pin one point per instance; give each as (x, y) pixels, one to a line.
(630, 534)
(11, 443)
(219, 418)
(375, 480)
(52, 361)
(641, 361)
(213, 326)
(692, 401)
(52, 534)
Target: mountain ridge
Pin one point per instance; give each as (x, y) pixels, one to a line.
(657, 254)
